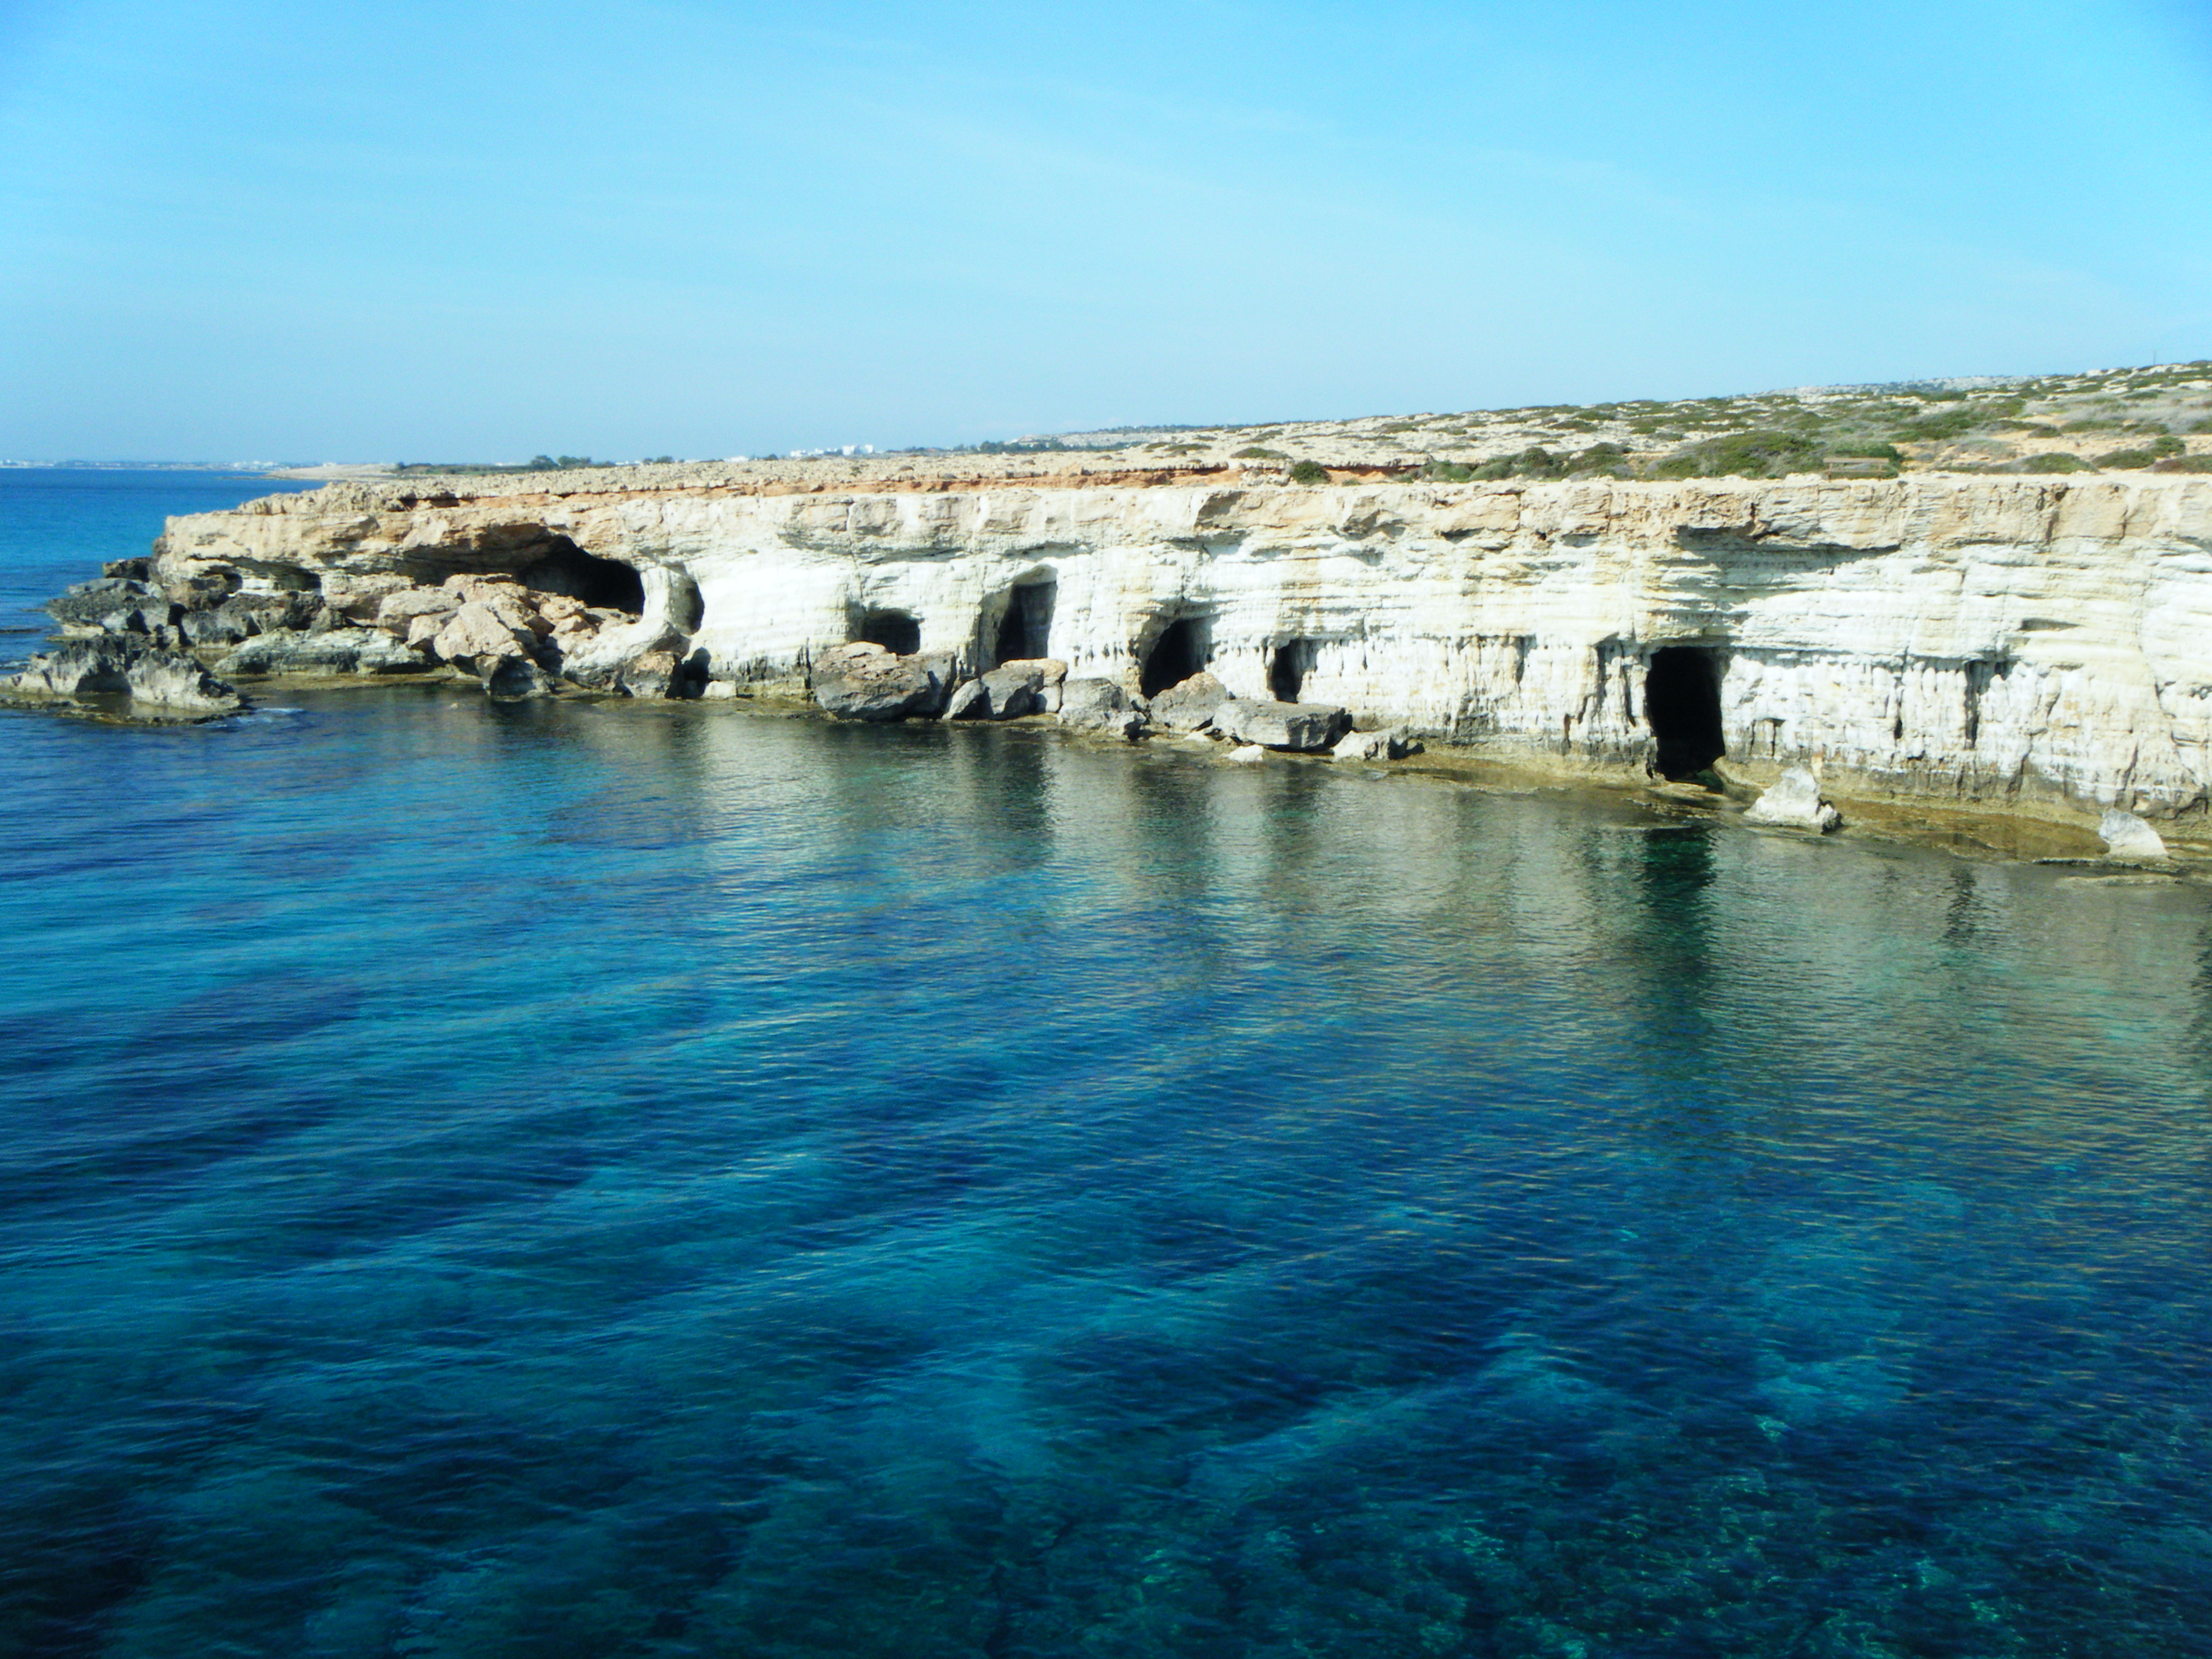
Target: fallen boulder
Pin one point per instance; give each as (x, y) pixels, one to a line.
(1395, 744)
(864, 682)
(479, 634)
(397, 611)
(1191, 703)
(1028, 686)
(2127, 836)
(509, 679)
(1794, 803)
(1102, 707)
(1303, 726)
(661, 674)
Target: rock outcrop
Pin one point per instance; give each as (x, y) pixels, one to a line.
(1793, 802)
(2127, 836)
(138, 677)
(2042, 643)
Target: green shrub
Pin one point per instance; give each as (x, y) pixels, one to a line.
(2167, 444)
(1256, 452)
(1309, 472)
(2058, 461)
(1865, 451)
(2201, 425)
(1447, 472)
(1743, 454)
(2126, 459)
(2184, 464)
(2092, 425)
(1951, 423)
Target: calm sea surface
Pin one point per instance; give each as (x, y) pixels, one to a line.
(610, 1180)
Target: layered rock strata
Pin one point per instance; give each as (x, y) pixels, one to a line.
(2011, 640)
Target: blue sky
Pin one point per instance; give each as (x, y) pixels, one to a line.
(480, 231)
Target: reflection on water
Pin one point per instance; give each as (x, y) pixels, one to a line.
(519, 1179)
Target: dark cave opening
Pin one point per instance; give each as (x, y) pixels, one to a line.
(1682, 700)
(604, 584)
(1286, 674)
(895, 630)
(1179, 653)
(1026, 630)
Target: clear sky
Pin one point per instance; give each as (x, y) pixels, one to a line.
(460, 230)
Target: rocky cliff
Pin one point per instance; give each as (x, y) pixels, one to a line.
(2027, 642)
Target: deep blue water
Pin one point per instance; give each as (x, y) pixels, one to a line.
(615, 1179)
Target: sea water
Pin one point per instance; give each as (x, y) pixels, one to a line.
(600, 1179)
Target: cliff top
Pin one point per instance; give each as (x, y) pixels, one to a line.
(2125, 420)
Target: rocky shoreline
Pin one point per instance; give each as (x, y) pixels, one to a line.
(2000, 645)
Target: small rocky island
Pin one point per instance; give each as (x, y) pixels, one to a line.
(2037, 645)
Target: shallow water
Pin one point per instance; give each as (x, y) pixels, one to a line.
(616, 1179)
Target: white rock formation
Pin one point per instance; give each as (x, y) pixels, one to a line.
(2127, 836)
(2028, 641)
(1793, 802)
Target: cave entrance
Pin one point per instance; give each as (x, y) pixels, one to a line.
(604, 583)
(1682, 700)
(1179, 653)
(897, 631)
(1026, 631)
(1286, 674)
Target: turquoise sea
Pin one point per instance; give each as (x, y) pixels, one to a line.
(619, 1178)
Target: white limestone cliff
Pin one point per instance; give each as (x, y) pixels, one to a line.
(2026, 641)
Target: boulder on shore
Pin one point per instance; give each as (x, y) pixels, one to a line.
(1395, 744)
(1303, 726)
(1794, 803)
(1102, 707)
(1027, 686)
(1191, 703)
(2127, 836)
(864, 682)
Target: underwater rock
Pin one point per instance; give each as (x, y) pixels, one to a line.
(1303, 726)
(1794, 803)
(2127, 836)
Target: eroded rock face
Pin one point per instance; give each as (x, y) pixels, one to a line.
(1304, 727)
(331, 651)
(864, 682)
(153, 680)
(1971, 639)
(1793, 802)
